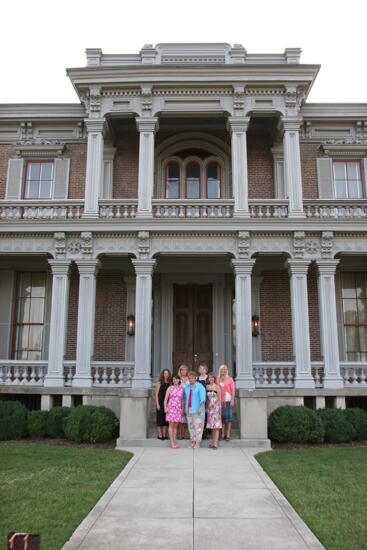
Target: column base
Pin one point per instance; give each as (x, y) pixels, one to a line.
(142, 382)
(296, 214)
(53, 381)
(304, 382)
(144, 215)
(82, 381)
(243, 214)
(90, 215)
(245, 382)
(334, 383)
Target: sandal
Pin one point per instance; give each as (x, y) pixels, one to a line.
(228, 439)
(214, 447)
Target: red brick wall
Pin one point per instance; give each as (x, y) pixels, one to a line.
(6, 152)
(260, 168)
(72, 317)
(275, 317)
(313, 315)
(110, 322)
(126, 167)
(110, 317)
(309, 153)
(77, 153)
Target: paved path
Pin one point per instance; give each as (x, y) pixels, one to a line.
(193, 500)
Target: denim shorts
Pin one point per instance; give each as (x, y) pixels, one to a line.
(227, 412)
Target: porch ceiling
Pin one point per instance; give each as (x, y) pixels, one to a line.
(193, 264)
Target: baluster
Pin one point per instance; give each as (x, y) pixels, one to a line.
(308, 211)
(157, 211)
(260, 213)
(228, 211)
(347, 212)
(118, 211)
(9, 375)
(211, 211)
(103, 212)
(104, 377)
(220, 211)
(133, 211)
(126, 212)
(16, 375)
(281, 376)
(117, 371)
(204, 212)
(316, 211)
(124, 375)
(197, 211)
(110, 212)
(69, 212)
(267, 212)
(188, 212)
(174, 211)
(257, 377)
(165, 212)
(181, 213)
(77, 212)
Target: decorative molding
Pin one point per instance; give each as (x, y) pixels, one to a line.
(146, 99)
(60, 245)
(327, 239)
(143, 244)
(299, 244)
(86, 243)
(45, 148)
(243, 244)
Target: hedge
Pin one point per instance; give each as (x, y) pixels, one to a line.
(295, 424)
(13, 420)
(37, 423)
(338, 429)
(56, 420)
(358, 419)
(89, 424)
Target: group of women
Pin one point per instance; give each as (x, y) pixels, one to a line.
(198, 400)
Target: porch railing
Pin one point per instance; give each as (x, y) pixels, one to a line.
(268, 208)
(281, 374)
(112, 374)
(192, 209)
(25, 373)
(354, 374)
(41, 210)
(338, 209)
(118, 209)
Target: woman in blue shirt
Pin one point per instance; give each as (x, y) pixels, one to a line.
(195, 397)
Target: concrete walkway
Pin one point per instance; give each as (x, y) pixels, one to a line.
(193, 500)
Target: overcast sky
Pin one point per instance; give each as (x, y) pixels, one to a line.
(39, 38)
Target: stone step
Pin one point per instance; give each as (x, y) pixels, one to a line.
(154, 442)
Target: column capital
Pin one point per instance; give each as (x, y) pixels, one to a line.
(95, 124)
(297, 267)
(88, 267)
(60, 267)
(144, 267)
(291, 123)
(147, 124)
(238, 124)
(243, 267)
(327, 266)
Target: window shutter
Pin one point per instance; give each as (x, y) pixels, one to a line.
(61, 179)
(14, 181)
(325, 178)
(364, 177)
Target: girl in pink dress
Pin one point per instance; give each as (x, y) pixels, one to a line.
(174, 407)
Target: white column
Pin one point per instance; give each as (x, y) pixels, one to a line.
(95, 166)
(238, 128)
(292, 166)
(300, 324)
(147, 128)
(143, 323)
(130, 310)
(58, 325)
(243, 269)
(86, 314)
(328, 323)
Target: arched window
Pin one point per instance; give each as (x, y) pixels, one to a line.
(213, 181)
(192, 180)
(172, 187)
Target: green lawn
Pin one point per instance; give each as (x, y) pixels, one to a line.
(48, 489)
(328, 489)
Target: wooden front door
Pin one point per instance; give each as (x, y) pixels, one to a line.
(192, 326)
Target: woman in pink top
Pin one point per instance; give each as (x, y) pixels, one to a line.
(227, 389)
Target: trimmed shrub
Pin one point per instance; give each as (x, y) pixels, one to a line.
(292, 424)
(13, 420)
(56, 419)
(89, 424)
(358, 419)
(338, 429)
(37, 423)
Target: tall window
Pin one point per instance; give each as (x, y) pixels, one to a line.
(38, 180)
(354, 296)
(28, 329)
(347, 179)
(193, 181)
(213, 190)
(172, 180)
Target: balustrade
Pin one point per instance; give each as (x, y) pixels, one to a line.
(30, 373)
(281, 375)
(336, 209)
(112, 374)
(354, 374)
(41, 211)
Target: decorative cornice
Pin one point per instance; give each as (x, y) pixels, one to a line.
(238, 124)
(39, 148)
(147, 124)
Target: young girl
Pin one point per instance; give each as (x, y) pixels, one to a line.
(160, 393)
(183, 372)
(214, 409)
(174, 408)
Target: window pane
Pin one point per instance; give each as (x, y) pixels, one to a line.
(173, 178)
(351, 335)
(353, 171)
(24, 285)
(363, 338)
(213, 174)
(35, 338)
(354, 190)
(45, 190)
(193, 181)
(38, 285)
(21, 338)
(349, 289)
(46, 171)
(340, 189)
(362, 312)
(23, 309)
(350, 312)
(37, 308)
(34, 355)
(31, 191)
(340, 172)
(34, 169)
(360, 284)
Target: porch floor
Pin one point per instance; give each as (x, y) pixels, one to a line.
(193, 500)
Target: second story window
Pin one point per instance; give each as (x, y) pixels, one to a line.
(347, 180)
(192, 181)
(38, 179)
(172, 180)
(213, 178)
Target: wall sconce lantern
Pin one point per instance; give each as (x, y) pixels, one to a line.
(255, 325)
(131, 325)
